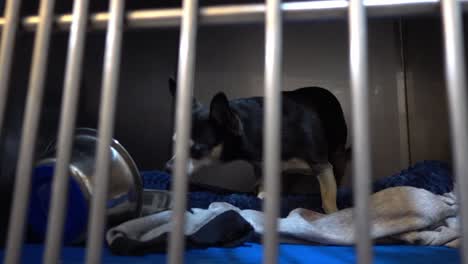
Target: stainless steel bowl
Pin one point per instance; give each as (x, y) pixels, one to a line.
(125, 183)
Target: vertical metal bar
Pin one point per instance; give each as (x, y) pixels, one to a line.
(402, 95)
(6, 51)
(67, 125)
(97, 218)
(185, 77)
(28, 136)
(361, 129)
(272, 127)
(457, 102)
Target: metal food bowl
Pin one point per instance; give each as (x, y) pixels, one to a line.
(125, 187)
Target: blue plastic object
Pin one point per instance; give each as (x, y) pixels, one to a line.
(76, 215)
(252, 254)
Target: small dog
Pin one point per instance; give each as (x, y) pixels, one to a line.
(313, 137)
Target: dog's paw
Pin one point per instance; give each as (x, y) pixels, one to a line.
(261, 195)
(329, 208)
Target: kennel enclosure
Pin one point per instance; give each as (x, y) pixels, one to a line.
(189, 18)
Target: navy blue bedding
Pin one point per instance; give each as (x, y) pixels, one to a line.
(434, 176)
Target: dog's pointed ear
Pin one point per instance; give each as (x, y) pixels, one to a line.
(196, 105)
(222, 114)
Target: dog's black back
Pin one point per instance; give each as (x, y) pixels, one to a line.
(329, 110)
(313, 129)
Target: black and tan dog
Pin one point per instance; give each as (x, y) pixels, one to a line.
(313, 135)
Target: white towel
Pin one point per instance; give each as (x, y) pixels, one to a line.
(404, 215)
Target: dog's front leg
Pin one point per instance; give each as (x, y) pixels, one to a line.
(258, 171)
(327, 183)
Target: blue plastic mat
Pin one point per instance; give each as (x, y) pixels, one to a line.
(252, 253)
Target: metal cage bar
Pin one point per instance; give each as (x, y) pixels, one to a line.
(250, 13)
(65, 136)
(97, 218)
(6, 51)
(183, 117)
(457, 103)
(272, 128)
(361, 135)
(21, 194)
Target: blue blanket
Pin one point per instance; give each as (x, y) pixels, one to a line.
(434, 176)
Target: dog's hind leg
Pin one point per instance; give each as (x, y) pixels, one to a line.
(326, 179)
